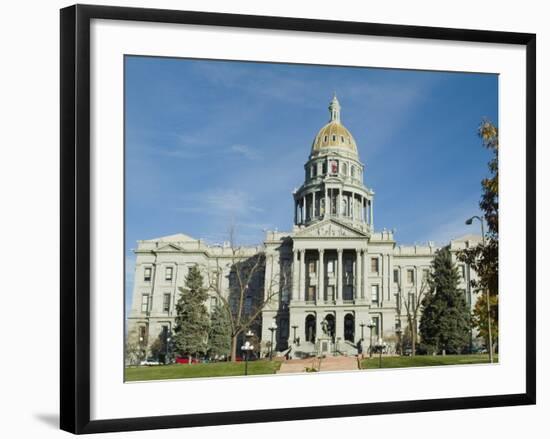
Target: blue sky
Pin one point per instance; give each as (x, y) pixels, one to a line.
(210, 143)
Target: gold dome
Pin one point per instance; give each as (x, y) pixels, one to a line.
(334, 134)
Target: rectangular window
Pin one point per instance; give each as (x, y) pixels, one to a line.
(412, 300)
(168, 273)
(147, 274)
(376, 329)
(248, 305)
(426, 274)
(312, 265)
(310, 294)
(463, 271)
(330, 266)
(213, 302)
(374, 293)
(410, 276)
(142, 335)
(166, 302)
(374, 265)
(330, 292)
(145, 303)
(395, 276)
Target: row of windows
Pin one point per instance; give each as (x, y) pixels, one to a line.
(146, 302)
(425, 272)
(335, 167)
(334, 137)
(148, 272)
(166, 301)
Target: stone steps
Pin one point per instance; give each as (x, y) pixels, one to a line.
(327, 364)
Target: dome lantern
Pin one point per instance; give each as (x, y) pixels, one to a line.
(334, 136)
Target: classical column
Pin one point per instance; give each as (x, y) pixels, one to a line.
(326, 213)
(295, 275)
(340, 278)
(366, 286)
(321, 282)
(371, 213)
(302, 274)
(313, 205)
(303, 209)
(359, 270)
(339, 203)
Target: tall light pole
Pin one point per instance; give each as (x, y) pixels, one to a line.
(362, 329)
(469, 222)
(380, 345)
(398, 332)
(247, 347)
(371, 326)
(272, 328)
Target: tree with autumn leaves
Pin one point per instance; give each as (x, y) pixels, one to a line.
(483, 258)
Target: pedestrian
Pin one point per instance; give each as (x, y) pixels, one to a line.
(359, 350)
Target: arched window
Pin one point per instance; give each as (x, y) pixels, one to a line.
(344, 168)
(352, 171)
(344, 207)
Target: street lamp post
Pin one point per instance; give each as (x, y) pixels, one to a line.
(167, 353)
(272, 328)
(362, 331)
(247, 347)
(398, 332)
(380, 345)
(469, 222)
(371, 326)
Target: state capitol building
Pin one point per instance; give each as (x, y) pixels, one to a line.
(336, 273)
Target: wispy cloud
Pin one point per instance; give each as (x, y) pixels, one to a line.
(229, 203)
(245, 151)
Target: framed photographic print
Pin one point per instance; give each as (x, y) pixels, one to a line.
(221, 250)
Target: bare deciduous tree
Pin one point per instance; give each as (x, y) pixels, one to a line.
(412, 304)
(250, 290)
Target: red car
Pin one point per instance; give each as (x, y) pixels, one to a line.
(185, 360)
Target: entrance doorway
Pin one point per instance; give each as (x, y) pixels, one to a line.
(331, 325)
(310, 325)
(349, 327)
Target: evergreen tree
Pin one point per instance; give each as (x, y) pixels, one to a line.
(219, 335)
(192, 322)
(445, 321)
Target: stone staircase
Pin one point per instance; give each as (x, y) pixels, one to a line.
(308, 349)
(326, 364)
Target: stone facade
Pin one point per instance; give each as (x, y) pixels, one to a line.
(327, 279)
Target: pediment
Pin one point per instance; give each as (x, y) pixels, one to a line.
(168, 248)
(330, 228)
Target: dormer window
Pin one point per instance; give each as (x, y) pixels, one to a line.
(326, 139)
(333, 138)
(342, 138)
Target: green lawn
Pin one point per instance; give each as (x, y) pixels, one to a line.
(425, 360)
(177, 371)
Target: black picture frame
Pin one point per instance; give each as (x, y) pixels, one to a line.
(75, 217)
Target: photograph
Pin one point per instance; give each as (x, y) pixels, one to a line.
(300, 219)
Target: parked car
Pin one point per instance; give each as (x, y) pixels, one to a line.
(185, 360)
